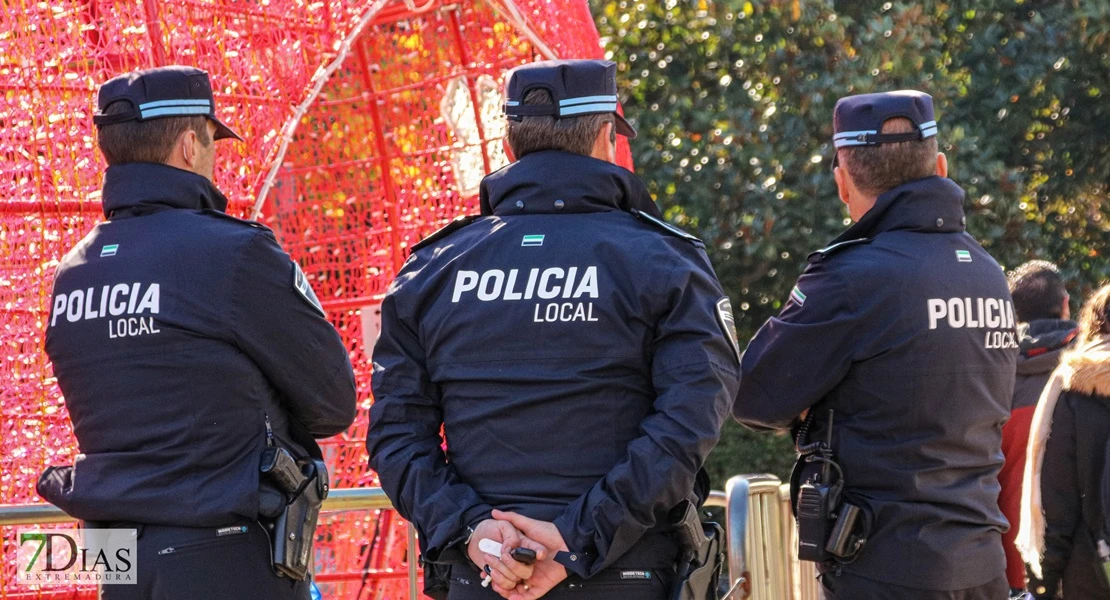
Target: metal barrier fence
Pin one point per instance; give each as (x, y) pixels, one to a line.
(762, 542)
(337, 500)
(757, 542)
(759, 527)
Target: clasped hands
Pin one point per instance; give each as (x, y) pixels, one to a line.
(513, 580)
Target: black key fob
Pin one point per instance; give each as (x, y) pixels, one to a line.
(524, 556)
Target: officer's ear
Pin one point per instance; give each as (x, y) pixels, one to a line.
(843, 185)
(186, 151)
(605, 147)
(942, 165)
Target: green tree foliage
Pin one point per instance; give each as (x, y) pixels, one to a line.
(734, 100)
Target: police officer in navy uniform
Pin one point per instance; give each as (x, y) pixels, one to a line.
(904, 329)
(575, 350)
(185, 342)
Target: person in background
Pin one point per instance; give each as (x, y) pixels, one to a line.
(1065, 505)
(1044, 332)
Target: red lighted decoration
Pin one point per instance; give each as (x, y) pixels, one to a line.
(368, 125)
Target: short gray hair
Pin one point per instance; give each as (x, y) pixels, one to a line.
(569, 134)
(145, 141)
(878, 169)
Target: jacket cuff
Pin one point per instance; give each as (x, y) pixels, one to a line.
(55, 485)
(454, 550)
(578, 559)
(576, 562)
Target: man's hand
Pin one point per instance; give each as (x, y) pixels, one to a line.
(547, 573)
(505, 572)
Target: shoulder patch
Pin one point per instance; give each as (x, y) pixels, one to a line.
(667, 227)
(797, 296)
(728, 326)
(830, 250)
(446, 230)
(304, 290)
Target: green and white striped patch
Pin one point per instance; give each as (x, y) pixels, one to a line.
(963, 256)
(797, 296)
(109, 250)
(532, 240)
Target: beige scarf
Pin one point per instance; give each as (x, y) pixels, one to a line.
(1085, 370)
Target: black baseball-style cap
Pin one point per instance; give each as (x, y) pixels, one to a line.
(175, 91)
(858, 120)
(577, 87)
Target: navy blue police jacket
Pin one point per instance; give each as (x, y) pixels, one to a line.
(176, 332)
(573, 354)
(904, 327)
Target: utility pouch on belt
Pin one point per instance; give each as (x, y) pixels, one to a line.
(304, 483)
(699, 566)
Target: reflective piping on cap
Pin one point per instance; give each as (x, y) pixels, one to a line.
(174, 111)
(853, 134)
(852, 138)
(600, 107)
(182, 102)
(587, 100)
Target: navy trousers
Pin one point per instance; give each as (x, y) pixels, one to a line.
(190, 563)
(853, 587)
(609, 584)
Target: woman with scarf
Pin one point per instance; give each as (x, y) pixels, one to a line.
(1066, 499)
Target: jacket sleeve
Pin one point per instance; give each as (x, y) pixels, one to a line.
(406, 449)
(795, 359)
(694, 373)
(277, 321)
(1060, 498)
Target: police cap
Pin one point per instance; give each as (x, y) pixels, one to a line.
(174, 91)
(577, 87)
(858, 120)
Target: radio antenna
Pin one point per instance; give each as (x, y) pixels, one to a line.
(828, 449)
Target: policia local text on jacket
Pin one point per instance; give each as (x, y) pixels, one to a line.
(904, 327)
(175, 332)
(574, 356)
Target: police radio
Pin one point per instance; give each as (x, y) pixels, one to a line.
(827, 526)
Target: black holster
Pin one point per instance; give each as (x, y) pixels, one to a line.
(303, 485)
(701, 560)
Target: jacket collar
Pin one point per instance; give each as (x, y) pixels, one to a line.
(930, 205)
(1042, 335)
(1087, 368)
(537, 182)
(142, 187)
(1042, 342)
